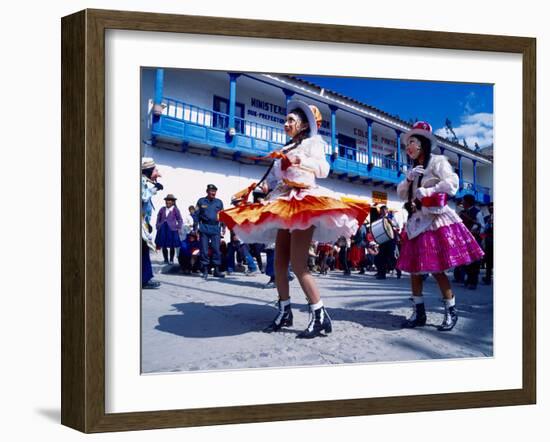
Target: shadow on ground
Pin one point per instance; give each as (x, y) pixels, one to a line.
(200, 320)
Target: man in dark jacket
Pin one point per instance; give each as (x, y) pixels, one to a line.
(209, 228)
(473, 220)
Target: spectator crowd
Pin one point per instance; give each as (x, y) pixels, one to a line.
(196, 239)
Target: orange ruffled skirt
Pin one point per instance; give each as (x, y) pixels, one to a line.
(298, 210)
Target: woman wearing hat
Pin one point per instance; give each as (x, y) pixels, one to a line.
(434, 239)
(295, 212)
(169, 224)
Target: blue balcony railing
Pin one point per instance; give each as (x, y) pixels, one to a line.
(468, 186)
(179, 110)
(361, 156)
(184, 122)
(259, 131)
(187, 123)
(481, 193)
(354, 162)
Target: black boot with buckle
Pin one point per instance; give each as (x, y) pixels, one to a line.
(283, 319)
(217, 273)
(319, 322)
(418, 317)
(450, 319)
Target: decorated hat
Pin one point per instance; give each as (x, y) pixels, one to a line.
(304, 107)
(317, 114)
(211, 187)
(147, 163)
(170, 197)
(421, 128)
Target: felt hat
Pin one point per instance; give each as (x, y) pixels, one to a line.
(304, 107)
(317, 114)
(147, 163)
(421, 128)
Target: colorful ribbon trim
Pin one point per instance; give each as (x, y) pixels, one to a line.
(241, 197)
(285, 162)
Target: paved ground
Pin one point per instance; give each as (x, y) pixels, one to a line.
(193, 324)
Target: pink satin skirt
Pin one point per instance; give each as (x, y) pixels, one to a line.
(435, 251)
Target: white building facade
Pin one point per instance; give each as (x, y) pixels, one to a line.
(205, 127)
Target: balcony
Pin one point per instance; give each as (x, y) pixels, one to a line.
(187, 124)
(481, 193)
(353, 164)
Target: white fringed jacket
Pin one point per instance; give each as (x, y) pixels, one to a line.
(313, 164)
(439, 177)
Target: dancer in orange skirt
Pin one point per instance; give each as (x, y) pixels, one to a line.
(295, 212)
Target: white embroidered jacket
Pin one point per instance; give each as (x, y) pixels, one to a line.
(439, 177)
(313, 164)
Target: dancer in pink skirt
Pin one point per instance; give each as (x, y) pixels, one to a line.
(434, 239)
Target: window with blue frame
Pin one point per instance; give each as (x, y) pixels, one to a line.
(347, 147)
(389, 161)
(221, 114)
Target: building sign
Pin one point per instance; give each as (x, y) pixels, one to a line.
(379, 143)
(265, 110)
(267, 107)
(379, 197)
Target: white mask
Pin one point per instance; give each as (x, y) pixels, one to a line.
(413, 148)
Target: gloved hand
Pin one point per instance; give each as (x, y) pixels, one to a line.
(422, 192)
(415, 172)
(159, 186)
(285, 162)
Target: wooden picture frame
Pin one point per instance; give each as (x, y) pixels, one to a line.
(83, 215)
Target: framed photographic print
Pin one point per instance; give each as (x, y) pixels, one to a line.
(196, 151)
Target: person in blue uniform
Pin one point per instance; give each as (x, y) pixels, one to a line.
(209, 229)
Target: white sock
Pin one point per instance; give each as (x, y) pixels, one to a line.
(449, 302)
(285, 302)
(316, 306)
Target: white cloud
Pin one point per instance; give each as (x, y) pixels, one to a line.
(474, 128)
(469, 107)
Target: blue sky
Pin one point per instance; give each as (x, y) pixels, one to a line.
(469, 107)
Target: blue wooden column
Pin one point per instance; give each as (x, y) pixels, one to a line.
(159, 86)
(333, 142)
(232, 101)
(398, 141)
(369, 143)
(460, 181)
(474, 164)
(157, 100)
